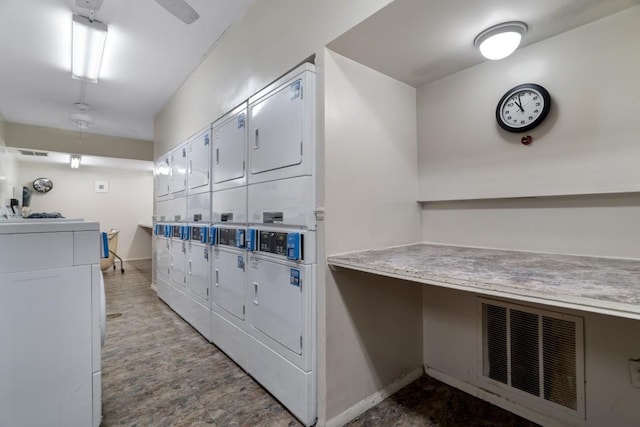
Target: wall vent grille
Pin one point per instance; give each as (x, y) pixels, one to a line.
(536, 353)
(34, 153)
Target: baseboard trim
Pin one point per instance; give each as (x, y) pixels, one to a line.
(136, 259)
(372, 400)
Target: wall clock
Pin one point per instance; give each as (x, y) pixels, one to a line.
(523, 107)
(42, 185)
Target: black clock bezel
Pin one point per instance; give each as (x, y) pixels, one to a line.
(543, 115)
(42, 185)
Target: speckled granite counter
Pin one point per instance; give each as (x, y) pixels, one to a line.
(601, 285)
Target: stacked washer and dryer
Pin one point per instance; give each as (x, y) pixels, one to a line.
(236, 237)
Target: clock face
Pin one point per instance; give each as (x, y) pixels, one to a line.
(523, 107)
(42, 185)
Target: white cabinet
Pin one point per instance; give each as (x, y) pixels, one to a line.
(199, 156)
(229, 282)
(229, 149)
(281, 130)
(178, 182)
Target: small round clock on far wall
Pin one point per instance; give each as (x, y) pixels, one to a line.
(42, 185)
(523, 107)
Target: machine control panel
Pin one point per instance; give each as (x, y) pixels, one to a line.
(288, 245)
(234, 237)
(160, 230)
(199, 234)
(176, 231)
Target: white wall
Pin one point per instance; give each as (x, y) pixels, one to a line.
(590, 142)
(66, 141)
(8, 171)
(272, 38)
(588, 146)
(373, 333)
(128, 203)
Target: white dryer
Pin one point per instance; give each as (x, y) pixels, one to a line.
(282, 128)
(199, 162)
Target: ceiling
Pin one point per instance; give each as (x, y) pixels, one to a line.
(149, 53)
(419, 41)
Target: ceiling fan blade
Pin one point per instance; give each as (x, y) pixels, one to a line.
(180, 9)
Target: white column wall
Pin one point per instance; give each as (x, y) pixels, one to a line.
(373, 324)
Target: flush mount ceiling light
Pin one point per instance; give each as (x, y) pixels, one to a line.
(501, 40)
(75, 161)
(88, 39)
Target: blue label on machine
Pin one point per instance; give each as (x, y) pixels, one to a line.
(184, 152)
(212, 236)
(204, 231)
(295, 90)
(240, 121)
(186, 232)
(251, 239)
(240, 240)
(206, 139)
(293, 246)
(241, 262)
(294, 277)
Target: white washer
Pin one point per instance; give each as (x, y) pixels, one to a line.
(198, 308)
(282, 316)
(50, 323)
(229, 276)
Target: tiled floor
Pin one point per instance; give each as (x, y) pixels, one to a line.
(158, 371)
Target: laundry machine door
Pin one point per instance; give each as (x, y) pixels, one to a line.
(198, 270)
(276, 129)
(229, 281)
(278, 305)
(164, 257)
(178, 261)
(178, 179)
(199, 168)
(229, 149)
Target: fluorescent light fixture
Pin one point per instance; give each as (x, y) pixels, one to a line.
(88, 38)
(75, 161)
(501, 40)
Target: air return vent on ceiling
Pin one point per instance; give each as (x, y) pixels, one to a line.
(34, 153)
(537, 355)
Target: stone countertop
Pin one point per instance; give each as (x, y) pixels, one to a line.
(602, 285)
